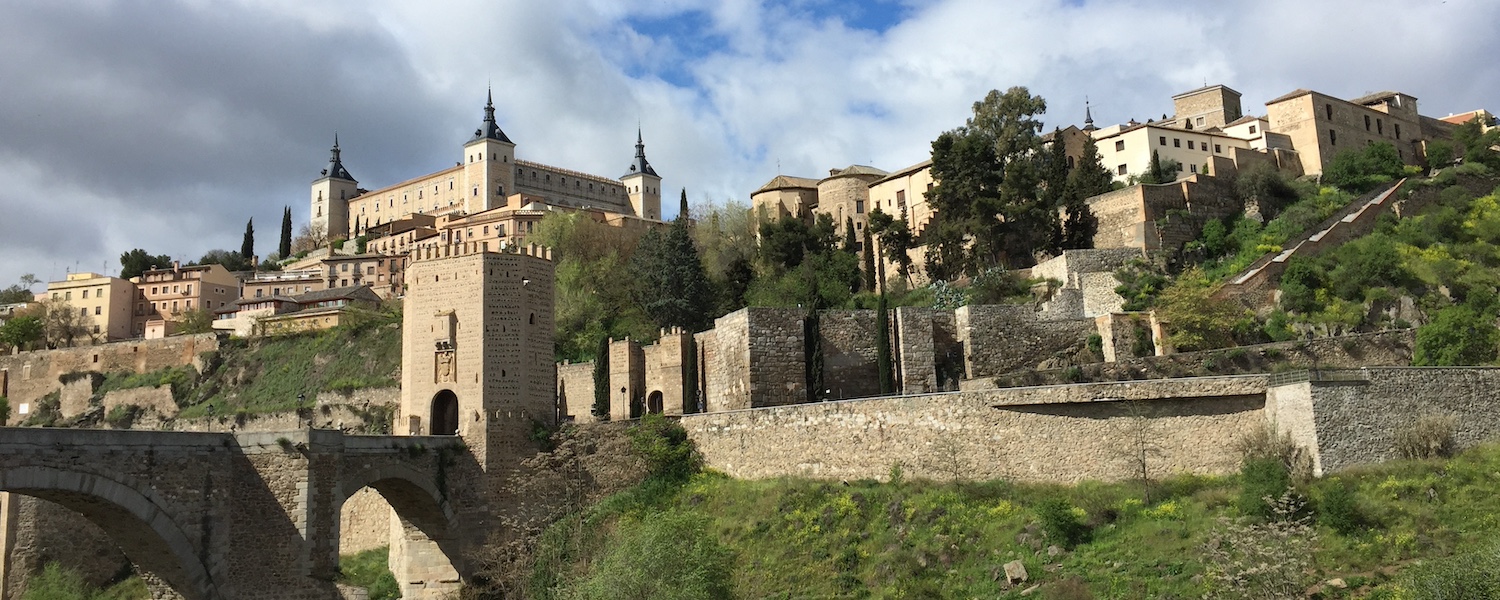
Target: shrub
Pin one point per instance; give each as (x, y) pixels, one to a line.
(1073, 374)
(670, 556)
(1061, 523)
(1338, 510)
(1262, 480)
(370, 570)
(1096, 344)
(57, 583)
(1266, 442)
(4, 410)
(1458, 335)
(1472, 576)
(122, 416)
(664, 444)
(1245, 559)
(1430, 436)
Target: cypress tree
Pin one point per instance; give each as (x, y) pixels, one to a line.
(247, 246)
(869, 267)
(285, 249)
(601, 380)
(883, 348)
(690, 376)
(682, 208)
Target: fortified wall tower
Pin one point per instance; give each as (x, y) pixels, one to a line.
(477, 363)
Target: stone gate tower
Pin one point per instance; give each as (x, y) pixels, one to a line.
(477, 346)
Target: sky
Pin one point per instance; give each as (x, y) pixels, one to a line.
(167, 124)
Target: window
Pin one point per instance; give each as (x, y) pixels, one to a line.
(174, 289)
(859, 207)
(345, 267)
(1379, 127)
(1163, 140)
(189, 304)
(1199, 121)
(1333, 137)
(85, 294)
(1190, 144)
(1218, 149)
(67, 295)
(1119, 145)
(83, 312)
(1397, 126)
(1193, 168)
(1120, 169)
(1367, 122)
(190, 289)
(1252, 130)
(97, 310)
(1176, 142)
(1328, 111)
(1070, 162)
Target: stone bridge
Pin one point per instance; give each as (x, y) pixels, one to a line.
(212, 516)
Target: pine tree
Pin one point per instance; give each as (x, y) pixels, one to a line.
(601, 380)
(285, 249)
(247, 247)
(672, 287)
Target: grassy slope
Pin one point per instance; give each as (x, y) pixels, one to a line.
(262, 375)
(808, 539)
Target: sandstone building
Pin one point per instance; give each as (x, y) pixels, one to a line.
(489, 178)
(103, 303)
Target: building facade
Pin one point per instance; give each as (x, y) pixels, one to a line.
(166, 294)
(102, 302)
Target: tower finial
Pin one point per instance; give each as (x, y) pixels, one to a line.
(1088, 115)
(489, 130)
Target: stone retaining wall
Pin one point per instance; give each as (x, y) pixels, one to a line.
(1051, 434)
(28, 376)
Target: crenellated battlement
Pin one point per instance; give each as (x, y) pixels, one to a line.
(439, 251)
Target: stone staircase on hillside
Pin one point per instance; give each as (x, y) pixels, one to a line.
(1255, 283)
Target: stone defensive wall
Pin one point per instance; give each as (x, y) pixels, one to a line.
(1071, 433)
(28, 376)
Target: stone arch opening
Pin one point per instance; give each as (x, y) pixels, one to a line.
(424, 544)
(133, 517)
(654, 402)
(444, 415)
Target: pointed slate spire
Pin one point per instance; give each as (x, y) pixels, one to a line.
(336, 168)
(640, 165)
(1088, 116)
(489, 130)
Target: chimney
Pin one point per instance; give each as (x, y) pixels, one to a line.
(176, 267)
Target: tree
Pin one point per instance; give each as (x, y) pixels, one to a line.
(1197, 319)
(1458, 335)
(896, 240)
(63, 324)
(1160, 171)
(21, 331)
(671, 285)
(233, 261)
(1359, 170)
(987, 176)
(1476, 145)
(284, 250)
(20, 292)
(682, 205)
(247, 246)
(196, 321)
(311, 237)
(1088, 178)
(137, 261)
(869, 283)
(883, 366)
(601, 381)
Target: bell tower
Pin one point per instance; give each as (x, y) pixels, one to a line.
(642, 184)
(330, 197)
(489, 164)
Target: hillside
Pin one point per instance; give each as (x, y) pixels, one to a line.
(1390, 531)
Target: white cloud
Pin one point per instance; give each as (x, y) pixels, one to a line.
(128, 124)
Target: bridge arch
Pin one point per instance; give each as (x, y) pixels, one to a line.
(428, 547)
(133, 516)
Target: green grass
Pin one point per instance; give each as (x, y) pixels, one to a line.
(918, 539)
(369, 570)
(268, 374)
(56, 582)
